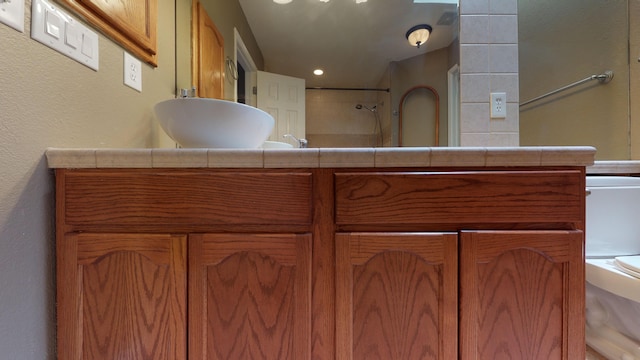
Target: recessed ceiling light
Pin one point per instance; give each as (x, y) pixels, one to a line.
(318, 72)
(282, 1)
(360, 1)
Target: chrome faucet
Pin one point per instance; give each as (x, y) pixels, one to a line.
(302, 143)
(188, 93)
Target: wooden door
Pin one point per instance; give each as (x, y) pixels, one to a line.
(208, 55)
(283, 97)
(249, 296)
(121, 296)
(522, 295)
(396, 296)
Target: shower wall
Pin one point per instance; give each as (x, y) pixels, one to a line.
(333, 121)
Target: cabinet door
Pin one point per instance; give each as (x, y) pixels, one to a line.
(121, 296)
(131, 23)
(396, 296)
(249, 296)
(522, 295)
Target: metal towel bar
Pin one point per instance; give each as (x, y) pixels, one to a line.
(602, 78)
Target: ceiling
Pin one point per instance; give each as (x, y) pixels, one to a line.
(353, 43)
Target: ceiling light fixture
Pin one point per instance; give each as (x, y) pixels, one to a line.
(318, 72)
(282, 1)
(419, 34)
(360, 1)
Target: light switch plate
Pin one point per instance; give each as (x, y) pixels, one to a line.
(53, 27)
(132, 72)
(12, 14)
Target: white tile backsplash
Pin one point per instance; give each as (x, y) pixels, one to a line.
(468, 7)
(501, 29)
(474, 88)
(474, 29)
(488, 27)
(503, 7)
(474, 58)
(503, 58)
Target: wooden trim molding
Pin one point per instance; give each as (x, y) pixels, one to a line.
(132, 24)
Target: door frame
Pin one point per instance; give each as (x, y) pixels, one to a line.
(453, 86)
(243, 57)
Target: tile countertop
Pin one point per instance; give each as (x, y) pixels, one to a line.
(321, 158)
(620, 167)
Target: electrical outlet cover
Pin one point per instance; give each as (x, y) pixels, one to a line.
(499, 105)
(12, 14)
(132, 72)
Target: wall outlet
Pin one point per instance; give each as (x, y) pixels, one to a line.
(12, 13)
(132, 72)
(499, 105)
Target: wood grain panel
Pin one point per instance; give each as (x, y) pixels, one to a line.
(208, 66)
(126, 297)
(396, 296)
(522, 295)
(186, 198)
(459, 197)
(131, 17)
(323, 285)
(250, 296)
(131, 23)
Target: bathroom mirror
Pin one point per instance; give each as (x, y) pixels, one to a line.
(563, 42)
(360, 45)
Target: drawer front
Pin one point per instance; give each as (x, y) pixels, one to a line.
(186, 198)
(459, 197)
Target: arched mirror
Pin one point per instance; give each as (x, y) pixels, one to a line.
(367, 61)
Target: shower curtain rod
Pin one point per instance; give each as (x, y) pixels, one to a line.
(602, 78)
(354, 89)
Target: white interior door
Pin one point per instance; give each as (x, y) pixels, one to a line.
(284, 98)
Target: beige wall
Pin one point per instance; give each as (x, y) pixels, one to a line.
(48, 100)
(634, 74)
(559, 45)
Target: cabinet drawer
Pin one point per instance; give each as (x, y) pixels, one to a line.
(141, 197)
(459, 197)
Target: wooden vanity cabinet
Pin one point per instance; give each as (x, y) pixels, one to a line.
(249, 296)
(522, 295)
(509, 278)
(121, 296)
(396, 295)
(321, 263)
(125, 239)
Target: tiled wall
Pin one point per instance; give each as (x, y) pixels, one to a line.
(333, 120)
(489, 63)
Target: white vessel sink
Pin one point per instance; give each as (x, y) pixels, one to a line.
(276, 145)
(212, 123)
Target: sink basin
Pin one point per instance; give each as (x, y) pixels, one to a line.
(276, 145)
(212, 123)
